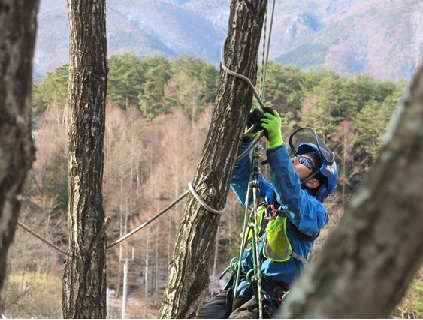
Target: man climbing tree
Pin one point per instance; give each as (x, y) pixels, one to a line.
(369, 260)
(188, 279)
(84, 280)
(18, 26)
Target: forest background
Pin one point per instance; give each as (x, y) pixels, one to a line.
(157, 117)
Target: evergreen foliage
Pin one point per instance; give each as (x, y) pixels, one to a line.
(53, 90)
(317, 98)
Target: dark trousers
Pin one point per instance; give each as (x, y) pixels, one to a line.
(246, 306)
(218, 307)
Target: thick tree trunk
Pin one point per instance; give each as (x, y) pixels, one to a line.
(18, 25)
(188, 279)
(84, 280)
(368, 262)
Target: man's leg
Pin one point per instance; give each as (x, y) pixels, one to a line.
(215, 308)
(248, 310)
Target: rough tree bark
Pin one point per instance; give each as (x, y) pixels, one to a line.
(18, 25)
(84, 280)
(188, 278)
(369, 260)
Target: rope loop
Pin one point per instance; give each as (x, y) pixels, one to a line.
(233, 73)
(201, 201)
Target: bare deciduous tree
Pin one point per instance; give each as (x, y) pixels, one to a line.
(188, 277)
(18, 25)
(345, 136)
(369, 260)
(84, 280)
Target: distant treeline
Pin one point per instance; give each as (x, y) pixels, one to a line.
(154, 85)
(351, 113)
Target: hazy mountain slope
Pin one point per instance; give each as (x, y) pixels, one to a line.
(125, 35)
(293, 21)
(141, 27)
(52, 46)
(382, 38)
(379, 37)
(47, 5)
(178, 27)
(52, 43)
(214, 11)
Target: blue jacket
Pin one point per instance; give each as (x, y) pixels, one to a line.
(304, 212)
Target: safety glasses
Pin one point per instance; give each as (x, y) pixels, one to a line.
(306, 161)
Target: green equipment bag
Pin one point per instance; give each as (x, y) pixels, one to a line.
(277, 246)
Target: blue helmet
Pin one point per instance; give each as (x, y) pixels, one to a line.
(305, 140)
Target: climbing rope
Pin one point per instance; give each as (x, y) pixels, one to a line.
(40, 238)
(256, 234)
(264, 59)
(105, 226)
(263, 50)
(253, 180)
(256, 255)
(233, 73)
(251, 146)
(244, 236)
(148, 221)
(196, 196)
(141, 226)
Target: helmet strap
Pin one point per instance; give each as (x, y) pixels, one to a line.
(312, 175)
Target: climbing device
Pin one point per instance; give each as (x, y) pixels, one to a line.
(255, 242)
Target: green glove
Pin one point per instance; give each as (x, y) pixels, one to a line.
(272, 123)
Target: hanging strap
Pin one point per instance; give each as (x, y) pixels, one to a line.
(298, 257)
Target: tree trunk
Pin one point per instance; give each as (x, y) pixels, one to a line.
(157, 274)
(18, 25)
(188, 278)
(369, 260)
(84, 280)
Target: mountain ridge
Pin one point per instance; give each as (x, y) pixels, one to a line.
(371, 50)
(383, 38)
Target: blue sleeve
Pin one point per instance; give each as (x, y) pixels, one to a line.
(241, 178)
(302, 209)
(241, 175)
